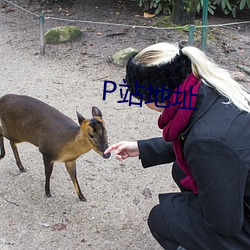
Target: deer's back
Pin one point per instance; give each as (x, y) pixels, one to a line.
(24, 118)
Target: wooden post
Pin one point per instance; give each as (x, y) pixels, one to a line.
(2, 3)
(42, 32)
(191, 35)
(204, 24)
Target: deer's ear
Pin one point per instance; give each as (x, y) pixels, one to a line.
(80, 118)
(96, 112)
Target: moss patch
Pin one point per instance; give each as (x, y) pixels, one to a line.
(121, 58)
(63, 34)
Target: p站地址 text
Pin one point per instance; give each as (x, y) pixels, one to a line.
(125, 96)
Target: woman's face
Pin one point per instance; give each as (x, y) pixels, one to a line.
(152, 106)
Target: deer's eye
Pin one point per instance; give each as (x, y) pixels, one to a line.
(91, 136)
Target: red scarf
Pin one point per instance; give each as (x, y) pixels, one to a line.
(174, 120)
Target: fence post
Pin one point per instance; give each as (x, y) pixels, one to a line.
(2, 3)
(191, 35)
(204, 24)
(42, 31)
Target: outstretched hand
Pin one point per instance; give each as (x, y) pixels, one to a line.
(124, 150)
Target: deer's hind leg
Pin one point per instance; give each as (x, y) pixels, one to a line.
(1, 144)
(71, 168)
(16, 154)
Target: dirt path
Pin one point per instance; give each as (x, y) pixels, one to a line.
(70, 77)
(115, 215)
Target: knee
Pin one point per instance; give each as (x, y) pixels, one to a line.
(154, 218)
(159, 229)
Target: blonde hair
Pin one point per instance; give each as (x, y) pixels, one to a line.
(202, 67)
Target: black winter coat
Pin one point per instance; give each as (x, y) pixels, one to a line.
(216, 145)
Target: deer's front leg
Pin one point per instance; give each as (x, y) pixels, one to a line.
(71, 168)
(48, 165)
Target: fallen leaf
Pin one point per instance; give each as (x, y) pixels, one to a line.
(148, 15)
(58, 227)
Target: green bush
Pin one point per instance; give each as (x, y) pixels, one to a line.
(211, 7)
(227, 6)
(156, 6)
(232, 6)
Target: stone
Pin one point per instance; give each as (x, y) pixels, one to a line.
(63, 34)
(121, 58)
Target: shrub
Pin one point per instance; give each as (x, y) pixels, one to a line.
(157, 6)
(227, 6)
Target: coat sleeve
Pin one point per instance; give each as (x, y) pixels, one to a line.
(220, 173)
(155, 151)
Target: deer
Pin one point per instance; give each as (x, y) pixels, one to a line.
(58, 138)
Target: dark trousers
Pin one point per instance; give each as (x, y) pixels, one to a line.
(156, 221)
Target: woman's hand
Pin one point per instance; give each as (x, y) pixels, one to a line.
(124, 150)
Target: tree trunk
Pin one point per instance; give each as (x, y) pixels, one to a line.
(183, 11)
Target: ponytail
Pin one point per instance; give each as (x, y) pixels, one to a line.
(218, 78)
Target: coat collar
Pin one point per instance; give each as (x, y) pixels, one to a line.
(206, 98)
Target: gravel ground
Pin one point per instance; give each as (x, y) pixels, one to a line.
(70, 77)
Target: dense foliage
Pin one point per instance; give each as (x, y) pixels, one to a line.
(227, 6)
(158, 6)
(165, 6)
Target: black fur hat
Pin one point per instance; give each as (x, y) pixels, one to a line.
(166, 75)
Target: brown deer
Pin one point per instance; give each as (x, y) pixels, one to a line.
(59, 138)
